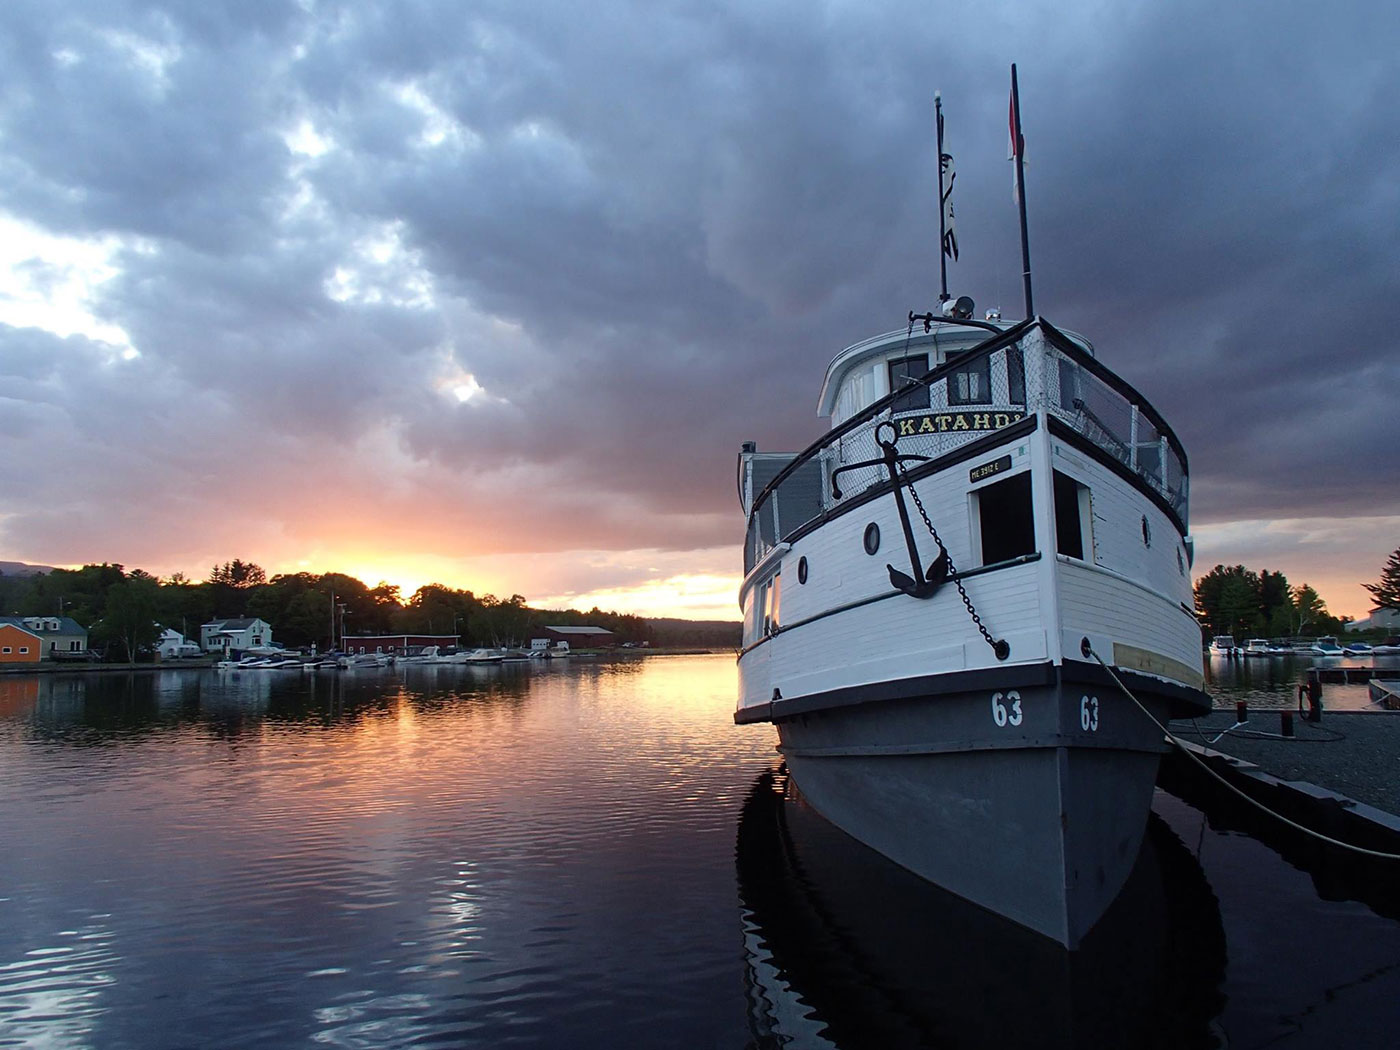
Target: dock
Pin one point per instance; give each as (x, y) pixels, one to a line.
(1345, 675)
(1339, 777)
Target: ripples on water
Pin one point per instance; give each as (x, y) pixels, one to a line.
(537, 857)
(1272, 682)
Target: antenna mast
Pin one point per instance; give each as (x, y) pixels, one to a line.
(1018, 153)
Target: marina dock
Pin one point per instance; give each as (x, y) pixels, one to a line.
(1337, 776)
(1345, 675)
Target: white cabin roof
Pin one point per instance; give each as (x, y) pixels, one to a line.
(944, 338)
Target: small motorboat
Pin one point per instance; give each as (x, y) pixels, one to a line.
(1223, 645)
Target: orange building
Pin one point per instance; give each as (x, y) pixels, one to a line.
(18, 646)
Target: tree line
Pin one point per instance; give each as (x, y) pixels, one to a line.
(124, 611)
(1233, 600)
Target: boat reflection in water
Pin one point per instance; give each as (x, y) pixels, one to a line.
(847, 949)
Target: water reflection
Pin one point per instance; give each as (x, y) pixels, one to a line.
(486, 857)
(476, 858)
(1272, 682)
(846, 949)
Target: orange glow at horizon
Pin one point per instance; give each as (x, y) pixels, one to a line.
(688, 596)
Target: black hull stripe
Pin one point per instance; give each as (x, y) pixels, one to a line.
(1020, 676)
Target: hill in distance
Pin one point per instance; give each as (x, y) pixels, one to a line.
(19, 568)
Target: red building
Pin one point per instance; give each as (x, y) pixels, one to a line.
(396, 644)
(580, 637)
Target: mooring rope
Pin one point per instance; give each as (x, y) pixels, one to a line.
(1258, 734)
(1181, 746)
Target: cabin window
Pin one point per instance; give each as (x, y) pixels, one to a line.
(6, 651)
(1005, 525)
(23, 649)
(972, 384)
(902, 369)
(1073, 517)
(1069, 385)
(772, 603)
(1016, 375)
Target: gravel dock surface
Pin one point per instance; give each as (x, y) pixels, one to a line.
(1353, 753)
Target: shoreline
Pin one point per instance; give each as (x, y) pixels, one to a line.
(47, 667)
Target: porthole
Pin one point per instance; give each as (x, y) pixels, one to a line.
(802, 569)
(872, 538)
(1146, 532)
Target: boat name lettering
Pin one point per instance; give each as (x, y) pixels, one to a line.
(948, 422)
(986, 470)
(1000, 715)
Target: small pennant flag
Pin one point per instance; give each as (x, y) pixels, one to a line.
(950, 235)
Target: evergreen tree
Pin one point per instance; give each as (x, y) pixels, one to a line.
(1386, 591)
(1227, 600)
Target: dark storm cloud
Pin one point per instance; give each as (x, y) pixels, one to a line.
(644, 229)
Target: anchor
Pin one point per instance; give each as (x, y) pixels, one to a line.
(924, 583)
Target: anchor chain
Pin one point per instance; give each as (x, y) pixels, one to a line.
(999, 646)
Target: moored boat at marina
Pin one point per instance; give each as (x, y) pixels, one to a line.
(1326, 646)
(484, 656)
(362, 661)
(934, 592)
(1257, 647)
(1223, 645)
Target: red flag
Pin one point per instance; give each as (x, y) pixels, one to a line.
(1015, 121)
(1017, 149)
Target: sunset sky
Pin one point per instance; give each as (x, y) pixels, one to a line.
(489, 293)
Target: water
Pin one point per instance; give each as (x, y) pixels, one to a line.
(1272, 682)
(490, 857)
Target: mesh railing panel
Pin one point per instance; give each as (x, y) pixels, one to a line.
(975, 394)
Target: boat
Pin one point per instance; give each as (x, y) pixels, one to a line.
(483, 656)
(362, 661)
(1223, 645)
(1389, 647)
(843, 948)
(1357, 649)
(1258, 647)
(1326, 646)
(939, 591)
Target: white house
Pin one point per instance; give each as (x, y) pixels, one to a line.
(1389, 619)
(172, 645)
(234, 636)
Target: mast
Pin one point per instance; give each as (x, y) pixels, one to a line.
(1018, 153)
(942, 203)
